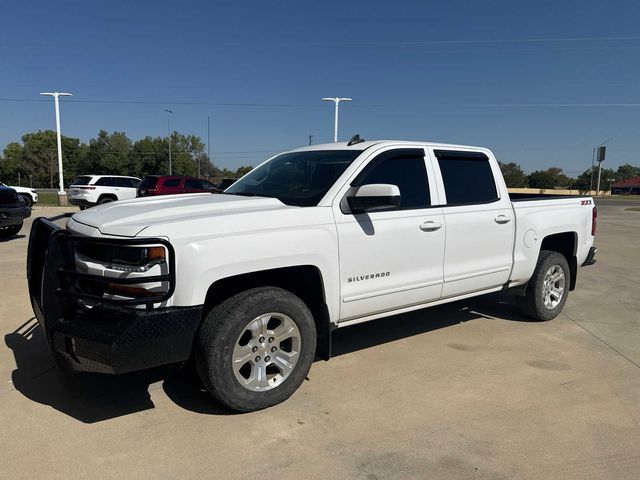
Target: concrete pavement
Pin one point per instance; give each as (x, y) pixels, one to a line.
(468, 390)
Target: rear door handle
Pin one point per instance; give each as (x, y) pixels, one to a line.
(430, 226)
(502, 219)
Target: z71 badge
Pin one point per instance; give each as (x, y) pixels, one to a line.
(585, 202)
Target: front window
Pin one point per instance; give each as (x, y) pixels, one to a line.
(297, 178)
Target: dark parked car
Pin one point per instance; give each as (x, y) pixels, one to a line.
(13, 210)
(173, 184)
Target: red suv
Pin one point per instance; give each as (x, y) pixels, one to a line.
(173, 184)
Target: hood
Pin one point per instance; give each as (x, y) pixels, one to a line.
(130, 217)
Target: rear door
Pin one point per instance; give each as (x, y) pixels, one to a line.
(170, 186)
(126, 188)
(391, 259)
(479, 222)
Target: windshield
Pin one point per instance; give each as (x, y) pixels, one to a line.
(297, 178)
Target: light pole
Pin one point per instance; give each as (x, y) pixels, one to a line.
(593, 159)
(62, 196)
(169, 136)
(337, 101)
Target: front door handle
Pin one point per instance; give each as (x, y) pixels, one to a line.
(502, 219)
(430, 226)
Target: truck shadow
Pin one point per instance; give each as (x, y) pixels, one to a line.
(15, 237)
(92, 398)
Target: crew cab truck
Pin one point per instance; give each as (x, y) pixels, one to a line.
(251, 283)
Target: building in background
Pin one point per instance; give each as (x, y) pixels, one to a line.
(626, 187)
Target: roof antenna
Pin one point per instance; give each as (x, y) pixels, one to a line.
(355, 140)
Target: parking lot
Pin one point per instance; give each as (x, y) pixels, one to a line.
(466, 390)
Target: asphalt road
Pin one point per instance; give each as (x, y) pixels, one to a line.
(467, 390)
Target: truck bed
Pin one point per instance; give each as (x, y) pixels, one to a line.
(522, 197)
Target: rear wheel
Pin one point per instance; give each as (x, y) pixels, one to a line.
(104, 200)
(548, 287)
(8, 232)
(256, 348)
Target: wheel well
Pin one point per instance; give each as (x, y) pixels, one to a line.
(107, 195)
(304, 281)
(564, 243)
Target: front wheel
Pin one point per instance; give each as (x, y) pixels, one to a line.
(255, 349)
(548, 287)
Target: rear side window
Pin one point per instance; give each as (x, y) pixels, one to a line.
(126, 182)
(171, 182)
(404, 168)
(81, 181)
(467, 177)
(106, 182)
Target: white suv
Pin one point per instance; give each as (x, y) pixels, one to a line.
(89, 190)
(29, 195)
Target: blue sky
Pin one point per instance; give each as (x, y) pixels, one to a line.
(491, 73)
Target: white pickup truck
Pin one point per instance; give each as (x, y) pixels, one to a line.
(251, 283)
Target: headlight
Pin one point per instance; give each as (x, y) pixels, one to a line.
(124, 259)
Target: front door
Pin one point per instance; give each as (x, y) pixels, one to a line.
(394, 258)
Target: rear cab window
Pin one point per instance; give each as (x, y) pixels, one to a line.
(467, 177)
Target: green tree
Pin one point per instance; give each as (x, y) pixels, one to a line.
(243, 171)
(626, 171)
(110, 154)
(513, 175)
(584, 180)
(549, 178)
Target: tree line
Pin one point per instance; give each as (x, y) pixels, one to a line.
(34, 161)
(554, 177)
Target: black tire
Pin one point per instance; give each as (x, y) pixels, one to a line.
(8, 232)
(27, 200)
(82, 207)
(532, 303)
(220, 331)
(104, 200)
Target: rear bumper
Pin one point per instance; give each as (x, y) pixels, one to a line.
(591, 257)
(10, 216)
(80, 202)
(89, 333)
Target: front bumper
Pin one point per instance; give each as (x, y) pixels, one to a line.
(112, 336)
(10, 216)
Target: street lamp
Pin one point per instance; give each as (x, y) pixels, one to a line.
(593, 159)
(337, 101)
(169, 135)
(62, 196)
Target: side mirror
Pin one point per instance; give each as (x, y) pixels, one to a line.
(376, 196)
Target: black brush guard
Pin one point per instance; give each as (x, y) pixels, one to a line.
(114, 335)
